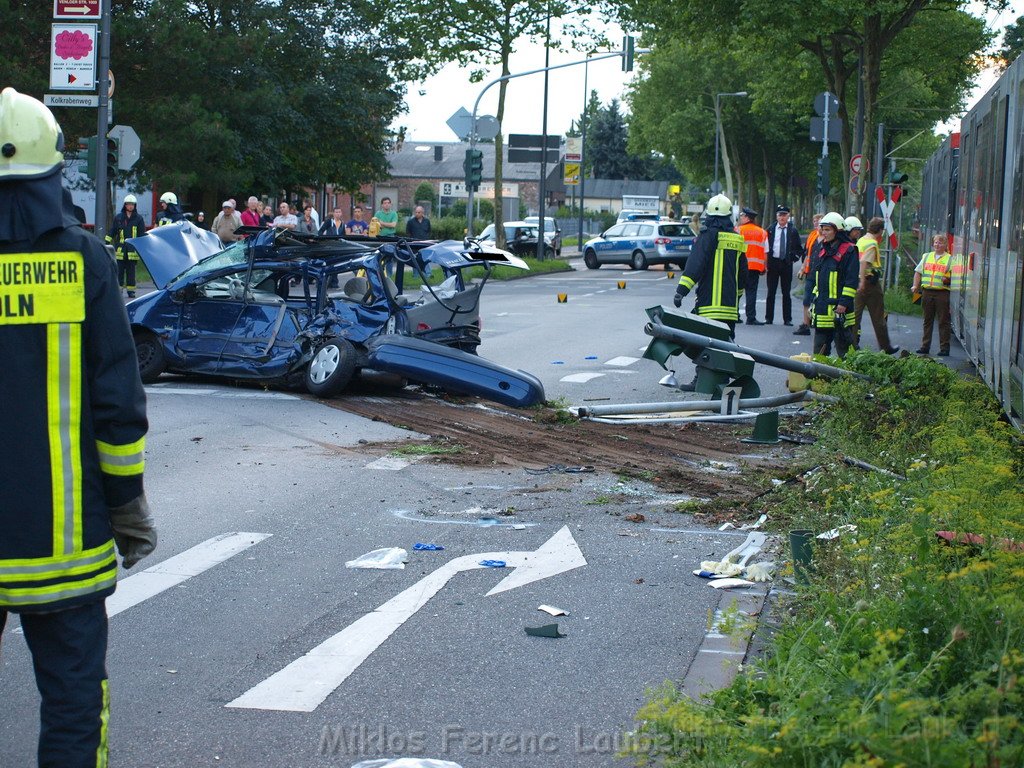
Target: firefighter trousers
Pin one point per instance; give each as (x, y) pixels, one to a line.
(69, 651)
(872, 298)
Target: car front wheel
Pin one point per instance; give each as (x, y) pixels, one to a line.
(590, 259)
(150, 356)
(638, 261)
(331, 368)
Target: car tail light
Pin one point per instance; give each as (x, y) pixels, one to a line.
(661, 241)
(422, 327)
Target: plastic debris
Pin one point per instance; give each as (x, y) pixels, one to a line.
(427, 547)
(721, 568)
(760, 572)
(835, 532)
(730, 583)
(735, 561)
(381, 559)
(707, 574)
(590, 357)
(552, 610)
(519, 527)
(406, 762)
(746, 526)
(548, 630)
(492, 563)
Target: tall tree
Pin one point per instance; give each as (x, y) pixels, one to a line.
(476, 32)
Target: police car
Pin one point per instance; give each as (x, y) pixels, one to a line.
(640, 244)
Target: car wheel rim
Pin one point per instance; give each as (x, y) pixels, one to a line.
(324, 364)
(145, 353)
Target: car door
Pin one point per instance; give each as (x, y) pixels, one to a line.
(605, 247)
(645, 240)
(627, 242)
(208, 318)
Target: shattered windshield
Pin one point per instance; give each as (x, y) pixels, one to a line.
(233, 255)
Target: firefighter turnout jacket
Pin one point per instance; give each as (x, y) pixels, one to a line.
(716, 270)
(835, 275)
(126, 226)
(756, 240)
(73, 421)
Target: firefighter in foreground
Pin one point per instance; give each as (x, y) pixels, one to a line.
(127, 223)
(832, 287)
(716, 269)
(74, 421)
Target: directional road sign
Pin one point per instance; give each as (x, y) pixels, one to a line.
(76, 9)
(73, 57)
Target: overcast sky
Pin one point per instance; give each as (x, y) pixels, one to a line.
(431, 103)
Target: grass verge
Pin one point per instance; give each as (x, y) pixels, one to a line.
(902, 650)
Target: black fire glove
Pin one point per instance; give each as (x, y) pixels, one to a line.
(134, 530)
(677, 300)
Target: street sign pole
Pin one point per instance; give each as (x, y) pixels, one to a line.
(102, 124)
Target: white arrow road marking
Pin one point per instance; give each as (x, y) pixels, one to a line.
(305, 683)
(182, 567)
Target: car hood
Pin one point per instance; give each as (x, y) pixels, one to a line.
(454, 254)
(169, 250)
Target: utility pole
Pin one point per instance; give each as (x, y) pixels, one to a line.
(103, 122)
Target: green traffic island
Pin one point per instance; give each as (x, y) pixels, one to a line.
(904, 641)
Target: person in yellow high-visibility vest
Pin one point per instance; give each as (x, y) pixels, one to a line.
(933, 278)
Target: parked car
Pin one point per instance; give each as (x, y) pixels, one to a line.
(640, 244)
(552, 232)
(632, 215)
(290, 309)
(520, 238)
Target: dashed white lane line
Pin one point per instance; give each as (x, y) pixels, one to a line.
(179, 568)
(580, 378)
(621, 362)
(392, 463)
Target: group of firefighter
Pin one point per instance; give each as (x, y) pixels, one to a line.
(841, 266)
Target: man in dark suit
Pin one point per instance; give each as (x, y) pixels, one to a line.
(784, 248)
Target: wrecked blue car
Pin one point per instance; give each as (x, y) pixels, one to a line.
(304, 310)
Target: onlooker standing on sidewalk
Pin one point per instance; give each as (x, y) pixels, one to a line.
(226, 222)
(784, 248)
(306, 224)
(285, 218)
(266, 214)
(387, 217)
(418, 227)
(334, 225)
(356, 225)
(756, 241)
(315, 214)
(805, 267)
(869, 287)
(251, 216)
(933, 278)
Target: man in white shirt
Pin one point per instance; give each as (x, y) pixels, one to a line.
(284, 219)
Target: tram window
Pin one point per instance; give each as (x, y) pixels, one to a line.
(998, 175)
(982, 172)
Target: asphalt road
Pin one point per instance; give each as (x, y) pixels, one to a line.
(262, 497)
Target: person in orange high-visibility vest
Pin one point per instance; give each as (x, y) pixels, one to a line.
(756, 241)
(805, 268)
(933, 279)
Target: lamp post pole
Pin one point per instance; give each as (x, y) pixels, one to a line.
(718, 131)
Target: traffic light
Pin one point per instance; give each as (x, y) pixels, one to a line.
(897, 177)
(628, 43)
(112, 156)
(88, 143)
(823, 176)
(473, 165)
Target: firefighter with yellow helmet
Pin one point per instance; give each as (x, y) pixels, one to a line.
(127, 223)
(833, 286)
(74, 421)
(170, 212)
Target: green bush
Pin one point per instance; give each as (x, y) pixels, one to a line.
(453, 227)
(903, 651)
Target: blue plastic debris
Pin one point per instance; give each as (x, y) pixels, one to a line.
(492, 563)
(590, 357)
(427, 547)
(558, 362)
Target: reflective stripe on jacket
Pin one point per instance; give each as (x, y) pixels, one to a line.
(74, 421)
(935, 271)
(717, 266)
(126, 226)
(756, 241)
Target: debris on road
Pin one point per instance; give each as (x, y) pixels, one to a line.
(552, 468)
(870, 467)
(552, 610)
(548, 630)
(760, 572)
(735, 561)
(746, 526)
(730, 583)
(492, 563)
(427, 547)
(634, 517)
(381, 559)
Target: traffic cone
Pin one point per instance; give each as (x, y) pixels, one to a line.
(671, 276)
(563, 298)
(621, 284)
(766, 429)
